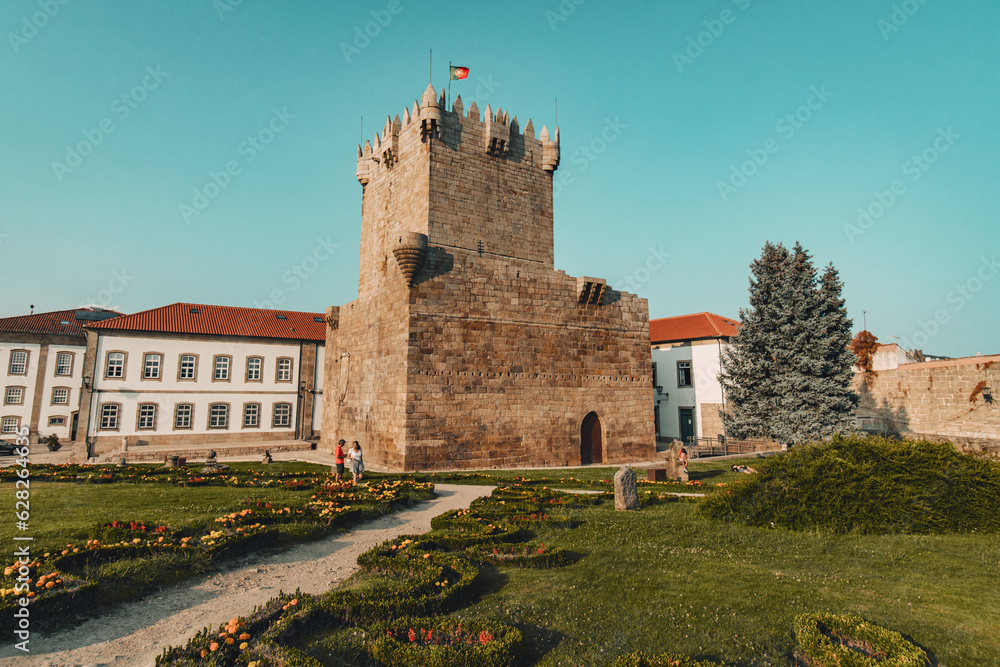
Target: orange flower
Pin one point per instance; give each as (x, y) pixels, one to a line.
(230, 640)
(214, 647)
(245, 636)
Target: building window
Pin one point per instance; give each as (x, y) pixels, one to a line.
(221, 368)
(147, 416)
(18, 363)
(282, 415)
(151, 366)
(109, 416)
(284, 370)
(13, 396)
(218, 415)
(188, 367)
(683, 373)
(64, 363)
(10, 424)
(251, 415)
(57, 421)
(182, 415)
(60, 396)
(254, 364)
(115, 367)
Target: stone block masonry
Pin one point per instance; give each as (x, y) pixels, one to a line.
(951, 399)
(465, 347)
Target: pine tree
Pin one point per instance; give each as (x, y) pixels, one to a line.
(787, 373)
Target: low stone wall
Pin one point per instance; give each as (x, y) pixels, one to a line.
(938, 401)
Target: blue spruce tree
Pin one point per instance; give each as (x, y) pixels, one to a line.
(787, 374)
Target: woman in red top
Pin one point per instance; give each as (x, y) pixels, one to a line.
(338, 458)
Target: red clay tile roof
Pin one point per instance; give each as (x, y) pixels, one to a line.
(52, 323)
(691, 327)
(195, 318)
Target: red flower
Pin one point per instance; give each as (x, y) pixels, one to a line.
(412, 635)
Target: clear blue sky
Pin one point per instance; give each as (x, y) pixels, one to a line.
(659, 104)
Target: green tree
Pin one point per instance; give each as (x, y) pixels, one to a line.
(787, 372)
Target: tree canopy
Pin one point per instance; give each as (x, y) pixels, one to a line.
(787, 372)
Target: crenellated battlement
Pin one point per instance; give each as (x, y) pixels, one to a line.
(496, 131)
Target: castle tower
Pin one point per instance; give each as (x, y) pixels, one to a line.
(465, 347)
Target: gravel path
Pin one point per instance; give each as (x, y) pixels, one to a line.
(133, 634)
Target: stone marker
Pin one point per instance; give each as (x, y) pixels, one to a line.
(675, 470)
(212, 464)
(171, 461)
(266, 460)
(626, 496)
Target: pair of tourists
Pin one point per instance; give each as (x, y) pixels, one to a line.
(354, 458)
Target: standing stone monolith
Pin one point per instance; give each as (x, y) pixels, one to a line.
(675, 469)
(626, 496)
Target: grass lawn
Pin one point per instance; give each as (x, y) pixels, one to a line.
(666, 579)
(64, 512)
(708, 472)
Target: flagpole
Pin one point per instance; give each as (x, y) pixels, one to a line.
(448, 104)
(430, 67)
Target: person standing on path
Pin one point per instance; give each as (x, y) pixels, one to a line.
(357, 462)
(338, 459)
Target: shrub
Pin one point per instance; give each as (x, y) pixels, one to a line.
(829, 640)
(869, 485)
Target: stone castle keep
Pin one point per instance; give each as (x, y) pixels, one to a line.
(465, 347)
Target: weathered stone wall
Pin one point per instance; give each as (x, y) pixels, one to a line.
(933, 399)
(711, 421)
(488, 359)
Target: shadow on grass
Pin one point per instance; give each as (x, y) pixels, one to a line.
(538, 642)
(704, 474)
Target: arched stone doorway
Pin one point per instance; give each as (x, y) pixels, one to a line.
(591, 440)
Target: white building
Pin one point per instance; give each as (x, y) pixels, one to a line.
(42, 357)
(687, 352)
(195, 375)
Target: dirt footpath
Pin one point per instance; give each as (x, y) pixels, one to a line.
(133, 634)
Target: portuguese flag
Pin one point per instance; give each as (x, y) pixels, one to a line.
(458, 73)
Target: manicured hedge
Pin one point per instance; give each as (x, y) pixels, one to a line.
(831, 640)
(868, 485)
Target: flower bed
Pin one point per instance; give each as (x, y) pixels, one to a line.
(63, 579)
(829, 640)
(428, 574)
(435, 642)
